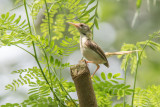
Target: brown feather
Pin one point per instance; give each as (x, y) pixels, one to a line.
(92, 45)
(106, 64)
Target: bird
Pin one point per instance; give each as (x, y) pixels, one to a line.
(89, 49)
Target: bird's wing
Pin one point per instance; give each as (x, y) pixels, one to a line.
(93, 46)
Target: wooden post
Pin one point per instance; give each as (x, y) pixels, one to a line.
(81, 77)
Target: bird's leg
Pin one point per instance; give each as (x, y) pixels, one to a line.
(95, 70)
(82, 58)
(89, 61)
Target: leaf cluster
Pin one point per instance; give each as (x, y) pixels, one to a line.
(131, 59)
(58, 39)
(39, 92)
(13, 30)
(108, 86)
(147, 97)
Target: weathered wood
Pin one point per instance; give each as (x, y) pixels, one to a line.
(81, 77)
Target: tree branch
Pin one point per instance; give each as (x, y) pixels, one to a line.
(81, 77)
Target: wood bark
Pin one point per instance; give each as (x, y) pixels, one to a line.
(81, 77)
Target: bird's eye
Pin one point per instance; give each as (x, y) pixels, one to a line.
(81, 25)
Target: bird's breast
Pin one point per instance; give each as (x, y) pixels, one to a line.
(88, 53)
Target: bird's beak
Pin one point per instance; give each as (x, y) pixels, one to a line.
(75, 24)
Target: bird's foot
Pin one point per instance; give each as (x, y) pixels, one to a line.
(82, 58)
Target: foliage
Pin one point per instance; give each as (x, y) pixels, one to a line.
(147, 97)
(57, 40)
(121, 105)
(13, 30)
(109, 87)
(136, 60)
(39, 92)
(131, 59)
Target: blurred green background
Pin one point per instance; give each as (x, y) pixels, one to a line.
(115, 29)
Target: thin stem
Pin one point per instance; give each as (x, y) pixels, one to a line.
(96, 15)
(25, 6)
(54, 94)
(49, 29)
(138, 61)
(54, 71)
(45, 53)
(125, 70)
(34, 29)
(60, 76)
(16, 7)
(135, 17)
(25, 50)
(47, 65)
(36, 58)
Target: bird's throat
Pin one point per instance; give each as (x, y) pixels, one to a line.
(88, 35)
(83, 39)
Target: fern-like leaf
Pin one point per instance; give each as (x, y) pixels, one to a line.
(13, 31)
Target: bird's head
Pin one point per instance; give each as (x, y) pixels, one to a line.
(82, 28)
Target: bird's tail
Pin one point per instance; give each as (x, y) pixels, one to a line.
(106, 64)
(108, 54)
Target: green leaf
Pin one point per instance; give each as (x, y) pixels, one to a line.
(138, 3)
(52, 44)
(51, 59)
(89, 11)
(103, 76)
(90, 19)
(3, 16)
(114, 81)
(13, 72)
(96, 23)
(109, 75)
(56, 62)
(116, 75)
(125, 87)
(7, 15)
(22, 23)
(97, 78)
(119, 78)
(154, 43)
(20, 82)
(152, 47)
(17, 20)
(55, 48)
(12, 17)
(91, 1)
(120, 94)
(29, 75)
(128, 93)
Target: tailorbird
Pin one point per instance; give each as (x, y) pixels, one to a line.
(89, 49)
